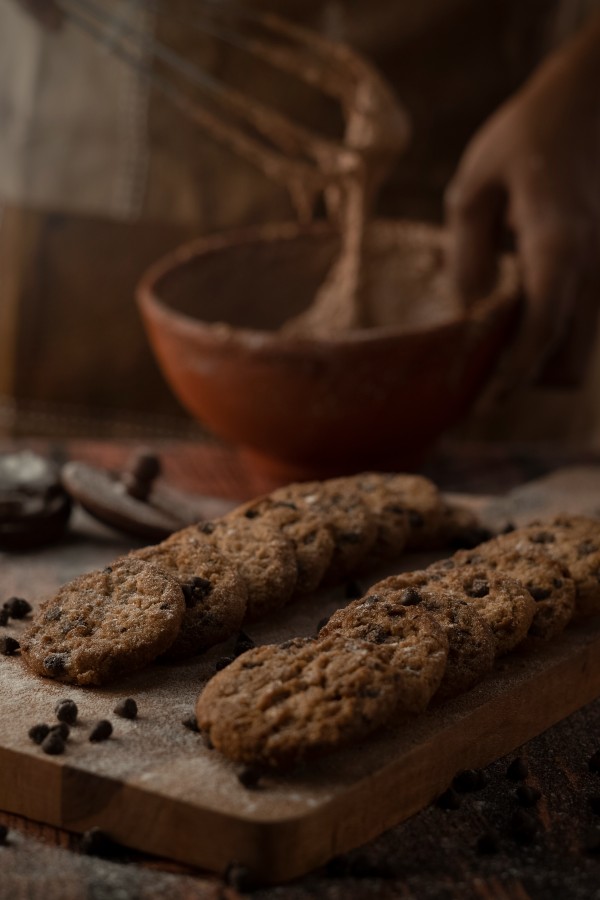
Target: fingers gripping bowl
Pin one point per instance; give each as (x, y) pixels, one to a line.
(373, 397)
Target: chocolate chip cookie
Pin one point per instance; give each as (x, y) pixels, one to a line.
(419, 643)
(407, 509)
(105, 624)
(264, 557)
(471, 642)
(278, 705)
(215, 593)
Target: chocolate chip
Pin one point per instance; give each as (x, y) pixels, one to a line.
(195, 590)
(53, 743)
(17, 608)
(38, 732)
(62, 729)
(523, 826)
(145, 466)
(127, 708)
(3, 834)
(223, 663)
(527, 796)
(240, 878)
(488, 843)
(249, 777)
(517, 770)
(508, 528)
(8, 645)
(56, 663)
(353, 590)
(252, 514)
(469, 780)
(539, 593)
(66, 711)
(449, 800)
(410, 597)
(322, 623)
(206, 527)
(101, 731)
(543, 537)
(96, 842)
(586, 547)
(3, 617)
(191, 723)
(558, 583)
(243, 643)
(594, 763)
(478, 588)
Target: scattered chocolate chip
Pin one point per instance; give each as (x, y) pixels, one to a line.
(517, 770)
(337, 867)
(3, 834)
(62, 729)
(206, 527)
(66, 711)
(243, 643)
(195, 590)
(539, 593)
(488, 843)
(223, 662)
(322, 623)
(101, 731)
(249, 777)
(8, 645)
(145, 466)
(594, 763)
(4, 617)
(96, 842)
(191, 723)
(252, 514)
(450, 799)
(595, 804)
(527, 796)
(139, 490)
(523, 826)
(353, 590)
(479, 587)
(469, 780)
(37, 733)
(410, 597)
(240, 878)
(56, 663)
(17, 608)
(127, 708)
(53, 744)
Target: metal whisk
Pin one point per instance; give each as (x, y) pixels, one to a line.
(305, 162)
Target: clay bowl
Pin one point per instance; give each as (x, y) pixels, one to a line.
(374, 398)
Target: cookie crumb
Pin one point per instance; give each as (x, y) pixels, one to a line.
(38, 732)
(66, 711)
(527, 796)
(8, 645)
(17, 607)
(101, 731)
(53, 743)
(249, 777)
(126, 708)
(191, 723)
(518, 770)
(450, 799)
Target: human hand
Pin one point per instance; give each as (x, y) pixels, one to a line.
(534, 167)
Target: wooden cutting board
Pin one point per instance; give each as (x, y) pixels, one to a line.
(156, 787)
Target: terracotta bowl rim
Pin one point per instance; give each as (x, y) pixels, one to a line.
(151, 304)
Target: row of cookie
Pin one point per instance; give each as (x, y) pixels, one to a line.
(437, 631)
(210, 578)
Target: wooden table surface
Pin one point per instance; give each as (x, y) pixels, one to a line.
(433, 855)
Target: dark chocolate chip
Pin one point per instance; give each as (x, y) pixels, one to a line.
(527, 795)
(139, 490)
(517, 770)
(558, 583)
(223, 663)
(523, 826)
(410, 597)
(145, 466)
(53, 744)
(508, 528)
(191, 723)
(243, 643)
(543, 537)
(594, 763)
(38, 732)
(8, 645)
(3, 617)
(127, 708)
(101, 731)
(17, 608)
(96, 842)
(353, 590)
(488, 843)
(3, 835)
(63, 729)
(66, 711)
(249, 777)
(206, 527)
(240, 878)
(252, 514)
(56, 663)
(450, 799)
(469, 780)
(539, 593)
(478, 588)
(195, 590)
